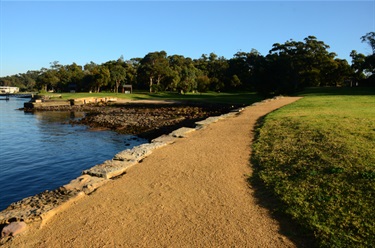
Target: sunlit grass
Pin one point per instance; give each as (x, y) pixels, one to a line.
(238, 98)
(318, 156)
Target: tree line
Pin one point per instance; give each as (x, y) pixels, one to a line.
(287, 68)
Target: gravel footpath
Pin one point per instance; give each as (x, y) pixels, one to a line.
(192, 193)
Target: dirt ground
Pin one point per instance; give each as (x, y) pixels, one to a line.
(192, 193)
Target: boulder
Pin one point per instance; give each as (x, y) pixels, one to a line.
(138, 153)
(110, 168)
(85, 183)
(13, 228)
(181, 132)
(164, 139)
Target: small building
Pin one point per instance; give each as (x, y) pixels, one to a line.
(9, 90)
(127, 88)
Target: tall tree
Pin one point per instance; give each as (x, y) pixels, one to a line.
(358, 66)
(102, 77)
(48, 79)
(117, 72)
(300, 64)
(242, 69)
(96, 76)
(153, 68)
(369, 38)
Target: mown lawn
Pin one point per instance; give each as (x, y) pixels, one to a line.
(238, 98)
(317, 156)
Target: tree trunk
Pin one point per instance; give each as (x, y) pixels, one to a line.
(159, 78)
(117, 85)
(150, 84)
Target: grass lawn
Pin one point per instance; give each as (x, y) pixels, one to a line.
(318, 156)
(239, 98)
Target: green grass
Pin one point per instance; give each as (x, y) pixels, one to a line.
(238, 98)
(318, 156)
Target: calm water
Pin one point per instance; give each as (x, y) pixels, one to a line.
(40, 152)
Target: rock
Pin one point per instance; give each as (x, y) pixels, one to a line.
(13, 229)
(207, 121)
(181, 132)
(137, 153)
(110, 168)
(34, 208)
(164, 139)
(85, 183)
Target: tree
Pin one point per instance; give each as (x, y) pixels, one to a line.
(131, 67)
(294, 65)
(117, 72)
(358, 66)
(183, 74)
(217, 72)
(153, 68)
(75, 76)
(101, 77)
(368, 65)
(96, 76)
(235, 82)
(203, 83)
(29, 80)
(369, 38)
(47, 79)
(244, 66)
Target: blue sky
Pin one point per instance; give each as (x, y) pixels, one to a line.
(35, 33)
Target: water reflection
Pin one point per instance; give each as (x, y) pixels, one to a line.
(60, 116)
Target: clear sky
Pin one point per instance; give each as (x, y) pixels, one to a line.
(35, 33)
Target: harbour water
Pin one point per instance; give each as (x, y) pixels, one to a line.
(41, 151)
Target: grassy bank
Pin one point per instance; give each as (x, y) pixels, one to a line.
(239, 98)
(318, 156)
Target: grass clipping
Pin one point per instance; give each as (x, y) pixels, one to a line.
(318, 156)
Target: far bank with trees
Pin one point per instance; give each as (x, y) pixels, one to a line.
(287, 68)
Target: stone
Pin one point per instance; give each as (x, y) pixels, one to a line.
(138, 153)
(164, 139)
(38, 207)
(110, 168)
(13, 228)
(208, 121)
(181, 132)
(85, 183)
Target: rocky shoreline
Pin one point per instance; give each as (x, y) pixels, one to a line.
(36, 210)
(144, 119)
(161, 123)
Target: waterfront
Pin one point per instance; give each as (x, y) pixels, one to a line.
(42, 152)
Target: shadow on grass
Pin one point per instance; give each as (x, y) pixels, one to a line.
(337, 91)
(236, 98)
(298, 234)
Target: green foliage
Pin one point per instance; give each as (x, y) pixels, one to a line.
(294, 65)
(318, 157)
(203, 84)
(369, 38)
(286, 69)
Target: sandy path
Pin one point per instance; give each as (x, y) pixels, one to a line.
(192, 193)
